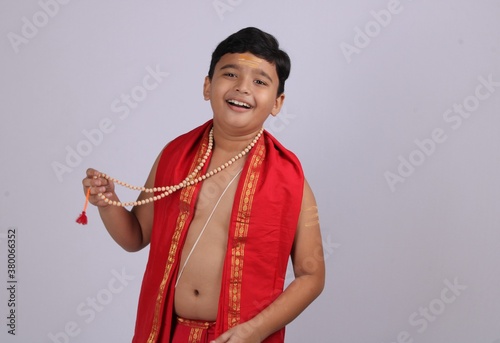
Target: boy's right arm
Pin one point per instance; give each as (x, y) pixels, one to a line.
(130, 229)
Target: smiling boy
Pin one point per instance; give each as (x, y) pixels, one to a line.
(220, 242)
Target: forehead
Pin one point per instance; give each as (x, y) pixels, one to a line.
(247, 60)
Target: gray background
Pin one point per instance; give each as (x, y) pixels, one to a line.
(356, 105)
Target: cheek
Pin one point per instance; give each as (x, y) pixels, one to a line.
(220, 89)
(269, 101)
(215, 93)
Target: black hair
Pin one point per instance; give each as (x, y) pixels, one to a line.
(258, 43)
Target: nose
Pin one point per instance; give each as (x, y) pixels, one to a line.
(243, 86)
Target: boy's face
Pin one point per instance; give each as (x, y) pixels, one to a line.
(242, 92)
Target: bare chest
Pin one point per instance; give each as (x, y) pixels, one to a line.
(206, 239)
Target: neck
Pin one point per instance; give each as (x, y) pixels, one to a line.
(232, 143)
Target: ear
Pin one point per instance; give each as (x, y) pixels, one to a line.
(277, 104)
(206, 88)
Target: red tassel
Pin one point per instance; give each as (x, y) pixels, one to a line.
(82, 218)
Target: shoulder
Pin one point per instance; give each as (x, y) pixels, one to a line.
(181, 144)
(308, 198)
(279, 152)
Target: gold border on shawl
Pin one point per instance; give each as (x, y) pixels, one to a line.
(185, 196)
(241, 231)
(195, 335)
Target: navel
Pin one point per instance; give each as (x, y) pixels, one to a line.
(196, 292)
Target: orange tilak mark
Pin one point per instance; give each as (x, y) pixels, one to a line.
(249, 61)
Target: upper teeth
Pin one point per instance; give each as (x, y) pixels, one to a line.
(239, 103)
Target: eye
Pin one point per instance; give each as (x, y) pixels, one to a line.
(260, 82)
(230, 74)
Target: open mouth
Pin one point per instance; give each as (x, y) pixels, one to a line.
(238, 104)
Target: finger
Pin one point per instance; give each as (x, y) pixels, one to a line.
(98, 201)
(224, 338)
(86, 182)
(92, 173)
(103, 185)
(94, 190)
(96, 181)
(91, 182)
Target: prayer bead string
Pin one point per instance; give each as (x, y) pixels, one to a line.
(190, 180)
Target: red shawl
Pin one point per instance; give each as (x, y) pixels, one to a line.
(261, 233)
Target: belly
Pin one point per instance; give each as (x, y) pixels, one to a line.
(198, 288)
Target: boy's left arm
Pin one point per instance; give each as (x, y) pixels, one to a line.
(309, 269)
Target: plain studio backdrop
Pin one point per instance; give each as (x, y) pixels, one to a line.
(392, 107)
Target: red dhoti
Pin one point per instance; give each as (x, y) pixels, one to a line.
(193, 331)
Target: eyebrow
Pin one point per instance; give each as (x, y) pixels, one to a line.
(237, 67)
